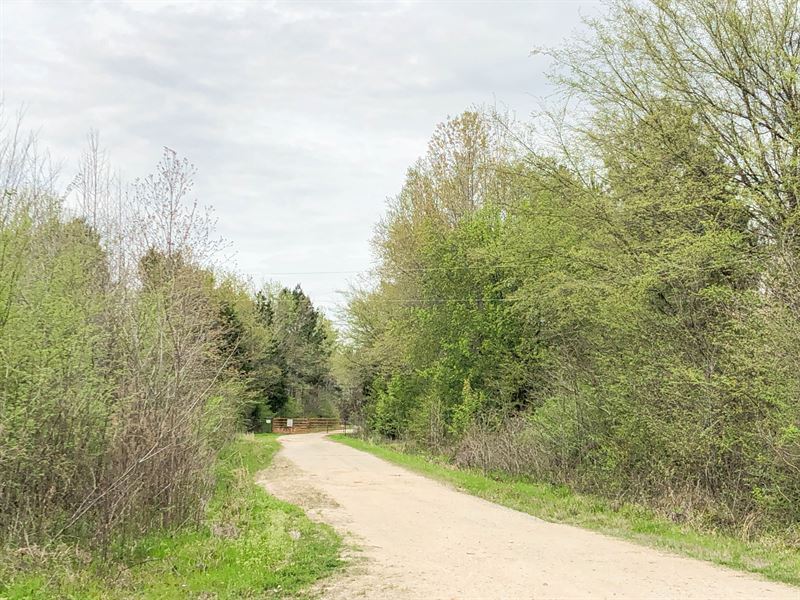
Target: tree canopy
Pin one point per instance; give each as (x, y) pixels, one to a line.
(615, 306)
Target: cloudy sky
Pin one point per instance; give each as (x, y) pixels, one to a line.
(301, 117)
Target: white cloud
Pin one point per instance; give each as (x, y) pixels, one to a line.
(301, 117)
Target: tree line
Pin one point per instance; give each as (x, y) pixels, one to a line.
(128, 357)
(608, 297)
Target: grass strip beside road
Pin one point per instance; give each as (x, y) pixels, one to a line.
(250, 545)
(773, 558)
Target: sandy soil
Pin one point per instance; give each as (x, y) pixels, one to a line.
(414, 538)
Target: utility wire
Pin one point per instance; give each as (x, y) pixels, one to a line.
(446, 300)
(316, 272)
(437, 300)
(412, 269)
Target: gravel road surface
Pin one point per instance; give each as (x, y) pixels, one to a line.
(414, 538)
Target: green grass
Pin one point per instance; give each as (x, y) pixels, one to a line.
(771, 557)
(250, 545)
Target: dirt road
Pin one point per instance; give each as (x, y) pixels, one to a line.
(420, 539)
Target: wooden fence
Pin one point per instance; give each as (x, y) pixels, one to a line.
(305, 425)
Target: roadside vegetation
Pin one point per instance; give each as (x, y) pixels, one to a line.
(603, 303)
(129, 361)
(246, 545)
(771, 557)
(607, 299)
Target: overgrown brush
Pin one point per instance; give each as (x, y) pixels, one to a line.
(609, 297)
(116, 391)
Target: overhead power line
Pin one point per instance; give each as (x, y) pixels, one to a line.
(315, 272)
(446, 300)
(412, 269)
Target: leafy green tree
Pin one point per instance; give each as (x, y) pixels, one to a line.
(291, 370)
(597, 320)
